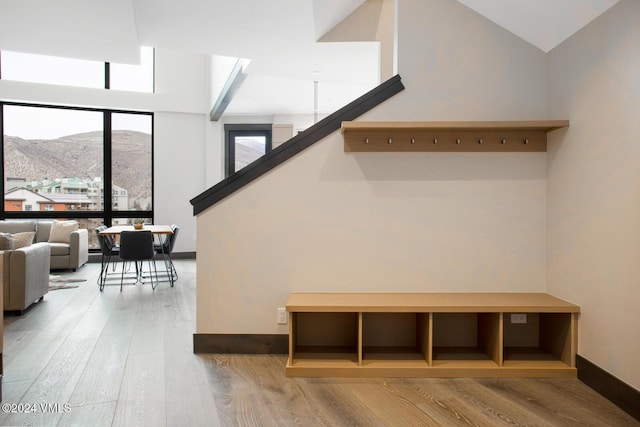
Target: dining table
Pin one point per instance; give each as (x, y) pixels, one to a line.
(158, 230)
(115, 230)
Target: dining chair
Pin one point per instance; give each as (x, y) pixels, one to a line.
(108, 249)
(137, 246)
(166, 249)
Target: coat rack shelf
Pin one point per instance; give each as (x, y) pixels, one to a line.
(501, 136)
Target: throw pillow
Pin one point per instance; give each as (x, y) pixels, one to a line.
(20, 240)
(6, 242)
(61, 231)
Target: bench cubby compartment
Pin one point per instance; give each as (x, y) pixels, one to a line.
(546, 339)
(395, 337)
(325, 337)
(459, 338)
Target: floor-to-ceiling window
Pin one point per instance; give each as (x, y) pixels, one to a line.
(90, 164)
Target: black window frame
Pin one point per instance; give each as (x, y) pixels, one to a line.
(231, 131)
(108, 214)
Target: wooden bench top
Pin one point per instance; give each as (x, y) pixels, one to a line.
(443, 302)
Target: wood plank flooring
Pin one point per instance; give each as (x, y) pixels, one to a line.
(126, 359)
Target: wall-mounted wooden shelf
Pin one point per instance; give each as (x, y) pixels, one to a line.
(431, 335)
(514, 136)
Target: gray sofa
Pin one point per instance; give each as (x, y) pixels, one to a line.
(25, 270)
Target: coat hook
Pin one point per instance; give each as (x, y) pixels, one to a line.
(413, 141)
(480, 141)
(435, 140)
(526, 141)
(458, 141)
(390, 141)
(366, 140)
(504, 141)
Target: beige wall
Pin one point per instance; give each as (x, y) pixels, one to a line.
(457, 65)
(594, 187)
(327, 220)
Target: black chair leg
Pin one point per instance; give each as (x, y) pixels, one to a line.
(103, 273)
(169, 268)
(121, 278)
(174, 272)
(104, 270)
(153, 284)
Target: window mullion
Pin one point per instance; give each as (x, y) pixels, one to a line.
(107, 187)
(107, 75)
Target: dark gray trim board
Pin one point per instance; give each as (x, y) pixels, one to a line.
(183, 255)
(241, 343)
(617, 391)
(96, 257)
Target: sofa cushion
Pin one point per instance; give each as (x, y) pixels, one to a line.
(44, 230)
(61, 231)
(20, 240)
(17, 226)
(60, 249)
(6, 242)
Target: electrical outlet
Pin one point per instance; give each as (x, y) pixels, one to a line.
(518, 318)
(282, 316)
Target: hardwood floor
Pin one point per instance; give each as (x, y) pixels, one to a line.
(126, 359)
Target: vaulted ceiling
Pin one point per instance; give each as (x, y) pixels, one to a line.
(280, 37)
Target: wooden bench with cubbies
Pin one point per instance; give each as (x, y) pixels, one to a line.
(431, 335)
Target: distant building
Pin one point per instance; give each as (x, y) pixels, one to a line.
(67, 202)
(89, 193)
(95, 192)
(25, 200)
(120, 198)
(20, 199)
(60, 186)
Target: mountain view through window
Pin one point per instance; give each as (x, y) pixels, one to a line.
(54, 162)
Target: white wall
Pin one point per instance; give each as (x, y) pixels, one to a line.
(181, 82)
(180, 104)
(213, 154)
(179, 168)
(180, 137)
(327, 220)
(594, 187)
